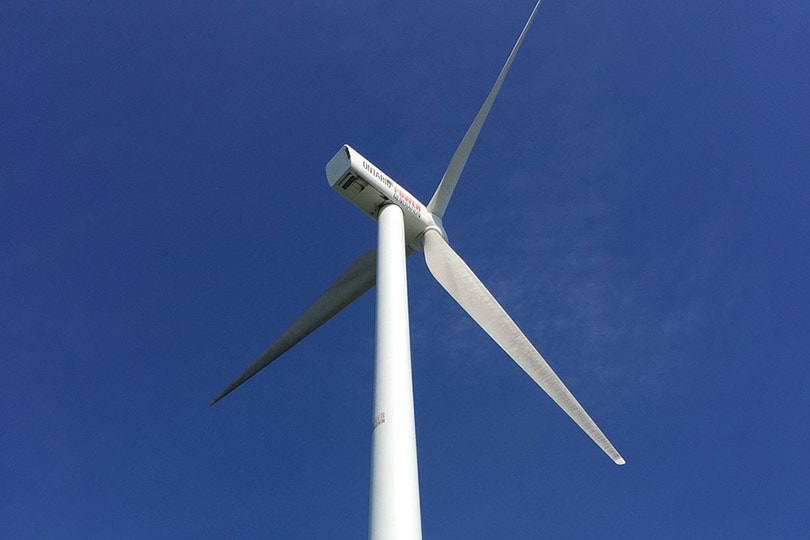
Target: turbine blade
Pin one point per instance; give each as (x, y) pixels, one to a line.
(455, 276)
(351, 285)
(438, 203)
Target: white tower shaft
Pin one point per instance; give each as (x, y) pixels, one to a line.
(394, 513)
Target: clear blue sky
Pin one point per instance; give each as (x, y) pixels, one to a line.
(638, 201)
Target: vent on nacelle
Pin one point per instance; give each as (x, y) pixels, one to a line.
(353, 183)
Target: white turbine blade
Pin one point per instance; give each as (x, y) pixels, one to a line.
(351, 285)
(464, 286)
(438, 203)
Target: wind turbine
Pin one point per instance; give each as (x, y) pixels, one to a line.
(406, 226)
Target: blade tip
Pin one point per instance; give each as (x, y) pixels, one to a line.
(216, 399)
(619, 460)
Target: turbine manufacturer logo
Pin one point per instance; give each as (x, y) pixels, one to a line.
(378, 175)
(405, 199)
(407, 202)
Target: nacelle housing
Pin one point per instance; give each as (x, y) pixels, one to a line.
(368, 188)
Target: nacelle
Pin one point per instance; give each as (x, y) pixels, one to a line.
(368, 188)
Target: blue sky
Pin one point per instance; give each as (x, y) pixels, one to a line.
(638, 201)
